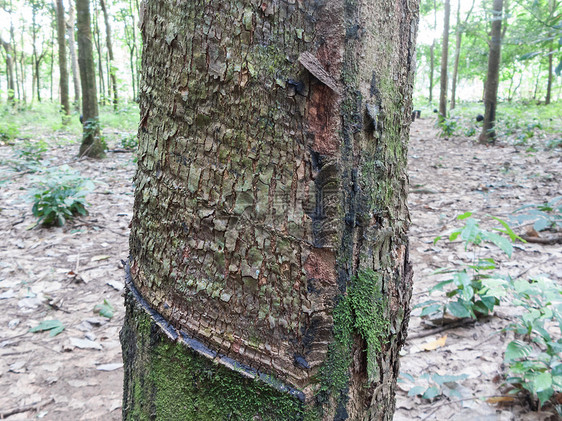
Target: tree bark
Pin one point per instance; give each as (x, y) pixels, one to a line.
(444, 62)
(269, 275)
(73, 55)
(92, 145)
(488, 134)
(63, 67)
(112, 69)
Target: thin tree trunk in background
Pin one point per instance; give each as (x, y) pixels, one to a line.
(111, 63)
(22, 69)
(432, 54)
(270, 216)
(431, 69)
(444, 63)
(550, 75)
(536, 90)
(488, 134)
(97, 43)
(52, 52)
(460, 28)
(63, 67)
(73, 55)
(10, 79)
(518, 85)
(15, 56)
(92, 145)
(138, 50)
(34, 67)
(132, 50)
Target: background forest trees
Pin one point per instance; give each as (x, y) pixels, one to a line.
(531, 61)
(530, 67)
(29, 57)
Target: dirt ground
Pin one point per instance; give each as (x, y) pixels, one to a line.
(62, 273)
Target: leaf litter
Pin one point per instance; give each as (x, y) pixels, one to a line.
(462, 374)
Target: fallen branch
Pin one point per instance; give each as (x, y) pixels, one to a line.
(541, 240)
(423, 191)
(31, 407)
(460, 323)
(459, 401)
(520, 274)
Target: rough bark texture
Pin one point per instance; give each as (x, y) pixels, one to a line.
(488, 134)
(444, 62)
(269, 233)
(63, 69)
(92, 145)
(73, 55)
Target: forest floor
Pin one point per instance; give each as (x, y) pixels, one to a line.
(63, 273)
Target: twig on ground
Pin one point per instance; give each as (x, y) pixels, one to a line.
(460, 323)
(523, 272)
(540, 240)
(31, 407)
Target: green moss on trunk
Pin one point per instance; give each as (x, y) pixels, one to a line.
(165, 380)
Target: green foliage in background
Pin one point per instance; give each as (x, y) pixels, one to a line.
(544, 217)
(8, 131)
(430, 386)
(534, 359)
(476, 287)
(59, 194)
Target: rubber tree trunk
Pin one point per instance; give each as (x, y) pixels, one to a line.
(63, 67)
(92, 145)
(444, 62)
(112, 69)
(73, 55)
(488, 134)
(269, 275)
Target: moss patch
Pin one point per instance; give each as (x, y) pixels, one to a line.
(361, 312)
(166, 380)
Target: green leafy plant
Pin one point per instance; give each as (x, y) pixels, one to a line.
(534, 359)
(54, 326)
(430, 386)
(8, 131)
(448, 126)
(105, 310)
(31, 151)
(129, 141)
(554, 143)
(545, 216)
(476, 287)
(59, 195)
